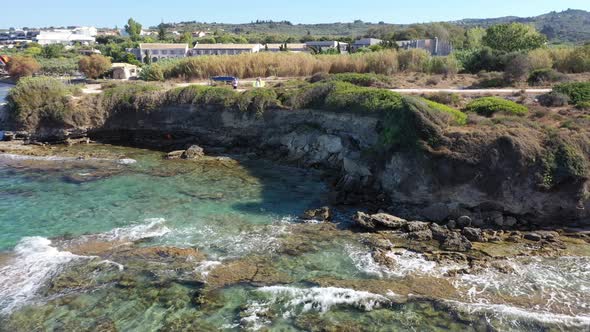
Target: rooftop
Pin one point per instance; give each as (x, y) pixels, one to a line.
(161, 46)
(226, 46)
(288, 45)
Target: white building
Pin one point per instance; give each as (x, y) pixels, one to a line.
(225, 49)
(82, 35)
(125, 71)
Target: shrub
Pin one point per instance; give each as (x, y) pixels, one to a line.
(382, 62)
(347, 97)
(367, 80)
(553, 99)
(131, 96)
(491, 80)
(459, 118)
(517, 68)
(413, 60)
(94, 65)
(578, 61)
(257, 100)
(583, 105)
(445, 98)
(152, 73)
(448, 66)
(576, 91)
(545, 76)
(36, 101)
(562, 162)
(540, 59)
(22, 66)
(488, 106)
(184, 95)
(59, 66)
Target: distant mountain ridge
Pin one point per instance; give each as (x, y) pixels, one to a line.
(571, 25)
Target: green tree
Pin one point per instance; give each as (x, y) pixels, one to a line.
(161, 31)
(133, 28)
(53, 51)
(474, 37)
(94, 65)
(511, 37)
(187, 37)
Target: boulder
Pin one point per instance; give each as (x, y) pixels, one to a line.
(550, 236)
(464, 221)
(421, 235)
(455, 242)
(452, 224)
(438, 212)
(473, 234)
(439, 232)
(193, 152)
(533, 237)
(174, 154)
(415, 226)
(322, 214)
(378, 221)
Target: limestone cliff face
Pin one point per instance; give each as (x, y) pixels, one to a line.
(470, 173)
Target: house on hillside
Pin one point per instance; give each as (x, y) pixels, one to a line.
(326, 45)
(433, 46)
(293, 47)
(224, 49)
(159, 51)
(365, 42)
(125, 71)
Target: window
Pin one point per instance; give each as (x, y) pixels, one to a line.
(164, 52)
(155, 52)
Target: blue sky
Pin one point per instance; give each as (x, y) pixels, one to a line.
(108, 13)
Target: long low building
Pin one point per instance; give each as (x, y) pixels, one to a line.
(291, 47)
(154, 52)
(224, 49)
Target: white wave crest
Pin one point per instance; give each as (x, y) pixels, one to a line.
(18, 157)
(404, 263)
(515, 316)
(35, 263)
(152, 227)
(293, 301)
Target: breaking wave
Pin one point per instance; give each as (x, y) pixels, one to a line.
(292, 301)
(36, 262)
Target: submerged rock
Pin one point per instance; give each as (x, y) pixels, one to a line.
(379, 221)
(321, 214)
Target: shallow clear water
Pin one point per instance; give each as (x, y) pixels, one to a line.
(256, 266)
(4, 91)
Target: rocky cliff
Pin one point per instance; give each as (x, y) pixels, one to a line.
(491, 174)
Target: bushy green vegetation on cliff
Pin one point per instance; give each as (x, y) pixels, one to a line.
(578, 92)
(37, 102)
(488, 106)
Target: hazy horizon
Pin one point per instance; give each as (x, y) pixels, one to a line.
(110, 13)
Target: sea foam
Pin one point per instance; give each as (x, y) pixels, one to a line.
(36, 262)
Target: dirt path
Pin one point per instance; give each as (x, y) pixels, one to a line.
(473, 91)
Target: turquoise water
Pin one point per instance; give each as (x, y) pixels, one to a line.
(77, 254)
